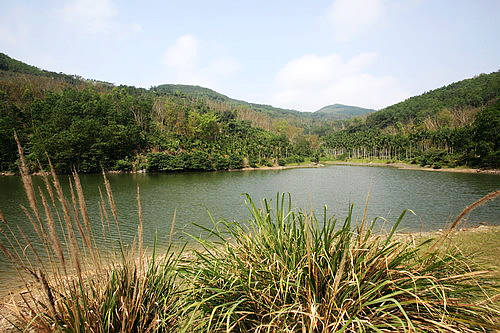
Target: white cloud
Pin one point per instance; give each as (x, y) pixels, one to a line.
(15, 26)
(312, 81)
(352, 17)
(184, 64)
(183, 55)
(96, 17)
(92, 15)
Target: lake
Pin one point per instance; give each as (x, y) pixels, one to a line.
(435, 197)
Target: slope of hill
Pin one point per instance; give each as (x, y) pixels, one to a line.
(470, 93)
(340, 111)
(201, 92)
(10, 67)
(189, 90)
(88, 125)
(458, 124)
(9, 64)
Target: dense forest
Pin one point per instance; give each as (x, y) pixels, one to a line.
(92, 125)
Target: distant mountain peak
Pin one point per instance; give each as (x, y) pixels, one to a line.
(342, 111)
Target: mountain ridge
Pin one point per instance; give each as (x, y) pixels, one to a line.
(342, 111)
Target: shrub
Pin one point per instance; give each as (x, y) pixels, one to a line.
(315, 158)
(253, 161)
(220, 162)
(437, 165)
(235, 162)
(123, 165)
(342, 157)
(199, 160)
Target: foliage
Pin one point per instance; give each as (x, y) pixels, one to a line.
(85, 130)
(484, 144)
(475, 92)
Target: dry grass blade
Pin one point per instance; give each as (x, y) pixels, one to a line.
(139, 227)
(458, 219)
(474, 205)
(54, 239)
(28, 186)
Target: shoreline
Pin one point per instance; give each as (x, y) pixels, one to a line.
(397, 165)
(277, 167)
(282, 167)
(405, 166)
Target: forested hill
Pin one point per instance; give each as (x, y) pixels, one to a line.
(90, 125)
(13, 66)
(458, 124)
(340, 111)
(457, 98)
(189, 90)
(206, 93)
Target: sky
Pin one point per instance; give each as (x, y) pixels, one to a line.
(301, 55)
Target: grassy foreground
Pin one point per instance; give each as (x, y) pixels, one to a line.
(283, 271)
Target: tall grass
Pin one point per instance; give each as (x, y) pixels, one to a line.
(289, 272)
(283, 271)
(73, 286)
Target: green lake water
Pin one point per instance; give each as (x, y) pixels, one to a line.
(434, 197)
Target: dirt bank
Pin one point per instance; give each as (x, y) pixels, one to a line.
(400, 165)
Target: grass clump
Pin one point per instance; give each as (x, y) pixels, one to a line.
(289, 272)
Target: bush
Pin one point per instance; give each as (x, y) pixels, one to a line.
(342, 157)
(436, 158)
(253, 161)
(315, 158)
(235, 162)
(294, 159)
(266, 162)
(123, 165)
(199, 160)
(220, 162)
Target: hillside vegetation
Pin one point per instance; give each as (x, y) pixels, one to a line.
(90, 125)
(458, 124)
(340, 111)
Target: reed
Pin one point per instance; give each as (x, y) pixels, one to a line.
(75, 287)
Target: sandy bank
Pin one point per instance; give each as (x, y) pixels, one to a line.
(416, 167)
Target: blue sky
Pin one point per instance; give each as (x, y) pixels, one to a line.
(293, 54)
